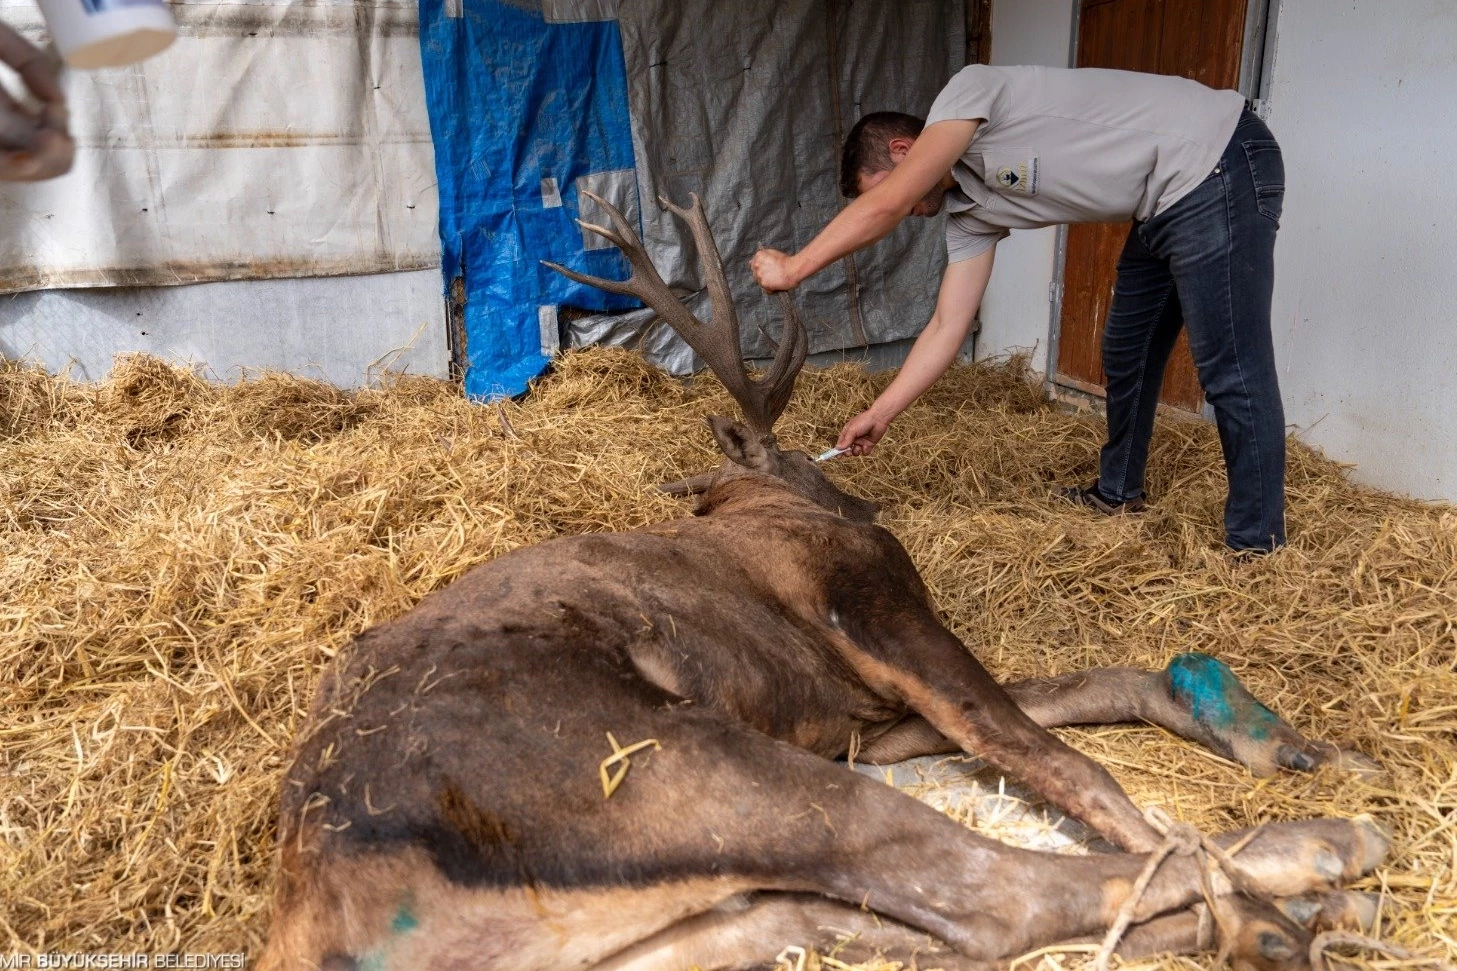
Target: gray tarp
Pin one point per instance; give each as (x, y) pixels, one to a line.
(747, 103)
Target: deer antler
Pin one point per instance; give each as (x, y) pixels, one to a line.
(717, 342)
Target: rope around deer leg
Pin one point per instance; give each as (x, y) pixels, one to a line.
(1179, 838)
(1184, 840)
(1243, 882)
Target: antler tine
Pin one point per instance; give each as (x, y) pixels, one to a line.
(645, 283)
(789, 358)
(619, 222)
(719, 346)
(762, 399)
(725, 316)
(717, 342)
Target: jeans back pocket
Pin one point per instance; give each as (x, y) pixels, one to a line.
(1267, 172)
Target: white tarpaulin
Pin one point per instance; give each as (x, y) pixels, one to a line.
(273, 139)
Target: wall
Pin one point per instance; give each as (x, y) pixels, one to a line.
(1361, 100)
(1016, 311)
(339, 329)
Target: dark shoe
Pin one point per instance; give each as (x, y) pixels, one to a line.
(1095, 500)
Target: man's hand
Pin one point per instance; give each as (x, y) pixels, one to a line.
(861, 433)
(34, 141)
(774, 270)
(962, 286)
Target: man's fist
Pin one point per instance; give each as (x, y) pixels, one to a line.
(34, 140)
(774, 270)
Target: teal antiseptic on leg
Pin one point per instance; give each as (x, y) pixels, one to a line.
(1236, 725)
(1215, 698)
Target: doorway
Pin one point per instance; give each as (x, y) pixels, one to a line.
(1217, 42)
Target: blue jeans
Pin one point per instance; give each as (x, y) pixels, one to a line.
(1206, 263)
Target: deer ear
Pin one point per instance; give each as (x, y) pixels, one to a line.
(743, 446)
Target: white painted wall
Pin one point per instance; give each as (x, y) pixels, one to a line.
(1362, 101)
(1016, 311)
(344, 329)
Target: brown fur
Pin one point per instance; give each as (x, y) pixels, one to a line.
(444, 807)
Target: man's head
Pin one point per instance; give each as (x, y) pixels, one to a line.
(876, 145)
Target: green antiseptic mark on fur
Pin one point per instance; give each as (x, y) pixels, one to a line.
(1215, 697)
(404, 920)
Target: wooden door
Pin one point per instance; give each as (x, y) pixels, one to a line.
(1199, 39)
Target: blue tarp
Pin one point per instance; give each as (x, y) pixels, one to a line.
(515, 101)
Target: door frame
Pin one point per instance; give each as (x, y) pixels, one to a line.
(1257, 57)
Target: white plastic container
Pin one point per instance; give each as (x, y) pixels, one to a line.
(108, 33)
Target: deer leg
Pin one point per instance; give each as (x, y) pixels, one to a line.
(753, 930)
(777, 818)
(1262, 936)
(1197, 697)
(913, 658)
(1333, 910)
(1190, 931)
(909, 738)
(764, 814)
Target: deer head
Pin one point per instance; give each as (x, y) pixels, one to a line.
(750, 445)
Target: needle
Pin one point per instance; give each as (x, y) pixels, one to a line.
(826, 456)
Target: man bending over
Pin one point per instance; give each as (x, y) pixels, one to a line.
(1026, 147)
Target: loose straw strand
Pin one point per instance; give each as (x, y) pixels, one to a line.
(1329, 939)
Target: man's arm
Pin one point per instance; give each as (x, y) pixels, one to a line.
(875, 212)
(962, 287)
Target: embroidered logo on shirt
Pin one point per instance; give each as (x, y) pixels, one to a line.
(1020, 178)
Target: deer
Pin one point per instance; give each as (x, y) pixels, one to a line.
(617, 751)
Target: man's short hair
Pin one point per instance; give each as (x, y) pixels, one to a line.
(867, 148)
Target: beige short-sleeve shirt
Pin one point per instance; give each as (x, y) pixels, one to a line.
(1071, 145)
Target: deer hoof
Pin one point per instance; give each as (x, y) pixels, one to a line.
(1237, 725)
(1339, 910)
(1264, 939)
(1294, 859)
(1376, 841)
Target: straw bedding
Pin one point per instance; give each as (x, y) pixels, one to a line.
(178, 559)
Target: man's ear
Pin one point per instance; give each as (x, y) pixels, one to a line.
(743, 446)
(899, 146)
